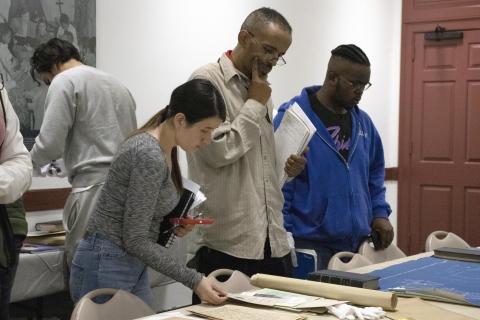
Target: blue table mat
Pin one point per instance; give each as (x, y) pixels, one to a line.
(460, 277)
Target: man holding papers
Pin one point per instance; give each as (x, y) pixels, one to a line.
(339, 199)
(237, 170)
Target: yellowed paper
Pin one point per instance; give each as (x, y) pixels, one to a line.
(234, 312)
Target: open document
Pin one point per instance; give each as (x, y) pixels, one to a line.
(285, 300)
(239, 289)
(291, 137)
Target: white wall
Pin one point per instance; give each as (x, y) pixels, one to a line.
(153, 46)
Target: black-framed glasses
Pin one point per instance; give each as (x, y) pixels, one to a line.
(269, 51)
(357, 85)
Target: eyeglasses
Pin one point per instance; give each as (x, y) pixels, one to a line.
(269, 51)
(357, 85)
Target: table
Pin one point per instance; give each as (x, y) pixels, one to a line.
(38, 283)
(42, 273)
(38, 274)
(465, 310)
(461, 309)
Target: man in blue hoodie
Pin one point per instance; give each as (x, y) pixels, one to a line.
(339, 198)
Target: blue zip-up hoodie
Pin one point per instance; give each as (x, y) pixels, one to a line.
(333, 201)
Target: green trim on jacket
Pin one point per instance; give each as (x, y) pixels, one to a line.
(16, 214)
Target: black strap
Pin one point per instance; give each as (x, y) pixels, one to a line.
(3, 108)
(4, 115)
(5, 225)
(9, 242)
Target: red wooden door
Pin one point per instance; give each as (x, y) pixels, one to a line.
(439, 185)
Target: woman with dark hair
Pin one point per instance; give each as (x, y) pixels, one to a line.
(142, 186)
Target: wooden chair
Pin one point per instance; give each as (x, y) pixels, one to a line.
(355, 260)
(122, 306)
(440, 238)
(376, 256)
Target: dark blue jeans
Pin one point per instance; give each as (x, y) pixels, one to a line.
(6, 281)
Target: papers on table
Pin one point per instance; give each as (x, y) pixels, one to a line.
(291, 137)
(236, 312)
(35, 248)
(239, 289)
(266, 304)
(285, 300)
(434, 294)
(37, 233)
(461, 254)
(41, 239)
(172, 315)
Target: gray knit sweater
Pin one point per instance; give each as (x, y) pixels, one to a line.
(136, 196)
(88, 114)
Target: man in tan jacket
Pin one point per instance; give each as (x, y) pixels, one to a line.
(237, 170)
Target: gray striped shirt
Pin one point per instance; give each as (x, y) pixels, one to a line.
(88, 114)
(136, 196)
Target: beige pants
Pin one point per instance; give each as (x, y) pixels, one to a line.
(76, 213)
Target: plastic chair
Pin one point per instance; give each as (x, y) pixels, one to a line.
(355, 261)
(376, 256)
(438, 239)
(237, 281)
(122, 306)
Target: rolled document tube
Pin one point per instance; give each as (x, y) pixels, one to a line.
(359, 296)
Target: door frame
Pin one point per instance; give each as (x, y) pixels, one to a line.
(405, 120)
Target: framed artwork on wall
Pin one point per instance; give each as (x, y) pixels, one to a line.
(25, 24)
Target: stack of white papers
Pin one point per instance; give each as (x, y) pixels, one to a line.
(291, 137)
(199, 196)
